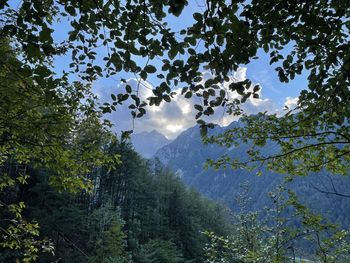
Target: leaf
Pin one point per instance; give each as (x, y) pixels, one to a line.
(176, 6)
(128, 89)
(166, 98)
(172, 53)
(33, 51)
(45, 34)
(198, 107)
(124, 97)
(198, 115)
(70, 10)
(282, 76)
(198, 16)
(188, 94)
(191, 40)
(150, 69)
(222, 93)
(240, 90)
(143, 75)
(209, 111)
(136, 99)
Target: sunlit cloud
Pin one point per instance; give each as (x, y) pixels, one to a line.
(174, 128)
(291, 103)
(177, 116)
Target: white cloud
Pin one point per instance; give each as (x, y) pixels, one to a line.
(178, 115)
(291, 103)
(240, 74)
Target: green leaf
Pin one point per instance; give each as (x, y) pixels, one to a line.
(45, 34)
(166, 98)
(188, 94)
(128, 89)
(176, 6)
(33, 51)
(150, 69)
(191, 40)
(124, 97)
(198, 107)
(197, 16)
(172, 53)
(143, 75)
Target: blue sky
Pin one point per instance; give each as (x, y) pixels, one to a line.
(173, 119)
(178, 116)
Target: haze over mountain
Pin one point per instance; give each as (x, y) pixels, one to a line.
(147, 143)
(187, 154)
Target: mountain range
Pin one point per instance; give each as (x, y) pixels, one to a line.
(147, 143)
(186, 156)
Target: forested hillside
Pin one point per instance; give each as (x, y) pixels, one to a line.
(187, 155)
(137, 212)
(71, 191)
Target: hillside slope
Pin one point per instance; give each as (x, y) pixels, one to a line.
(187, 154)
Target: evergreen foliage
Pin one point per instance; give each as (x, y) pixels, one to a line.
(133, 214)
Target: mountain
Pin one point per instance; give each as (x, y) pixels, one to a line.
(186, 156)
(147, 143)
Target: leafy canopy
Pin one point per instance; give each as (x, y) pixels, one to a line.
(301, 37)
(41, 123)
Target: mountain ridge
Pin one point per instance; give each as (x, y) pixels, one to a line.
(147, 143)
(187, 154)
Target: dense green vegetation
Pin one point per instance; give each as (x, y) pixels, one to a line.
(107, 38)
(134, 212)
(287, 232)
(70, 191)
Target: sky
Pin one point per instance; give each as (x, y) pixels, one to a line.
(172, 118)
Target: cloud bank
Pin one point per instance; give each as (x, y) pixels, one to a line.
(173, 118)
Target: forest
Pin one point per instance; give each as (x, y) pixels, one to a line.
(72, 186)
